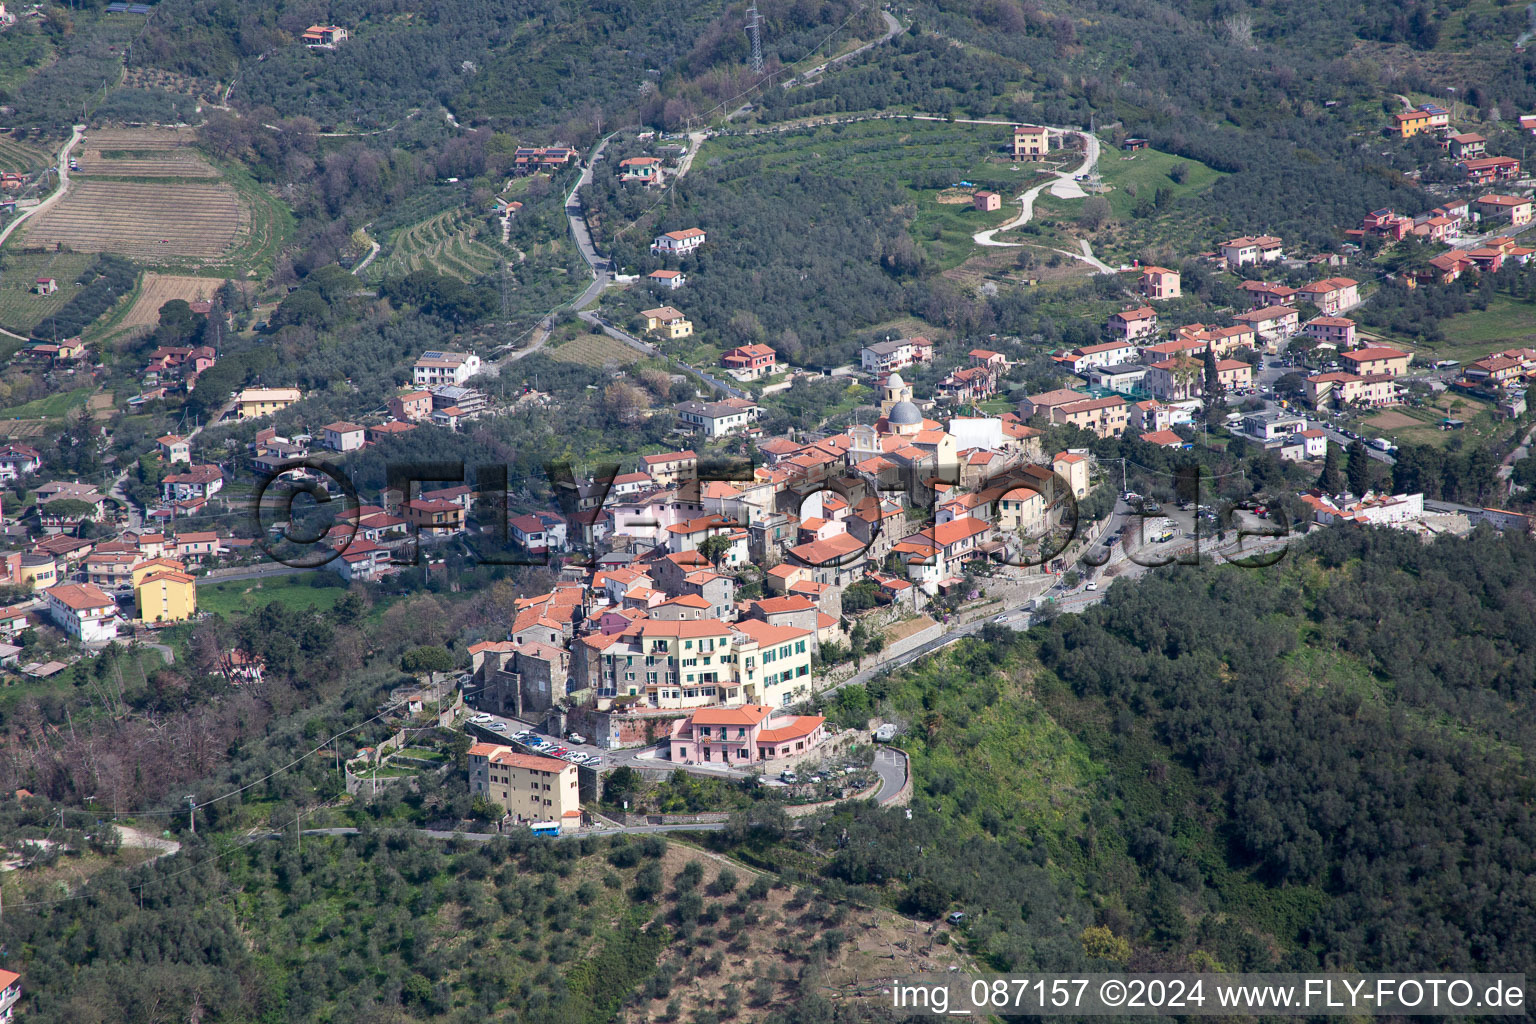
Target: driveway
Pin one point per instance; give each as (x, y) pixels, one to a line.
(1064, 186)
(892, 769)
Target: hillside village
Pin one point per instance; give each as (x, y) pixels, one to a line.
(749, 568)
(717, 512)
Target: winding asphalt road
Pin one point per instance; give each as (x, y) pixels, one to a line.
(58, 193)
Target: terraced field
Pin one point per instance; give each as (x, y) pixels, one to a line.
(20, 156)
(446, 243)
(158, 289)
(148, 222)
(143, 153)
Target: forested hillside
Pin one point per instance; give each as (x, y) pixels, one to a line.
(1320, 765)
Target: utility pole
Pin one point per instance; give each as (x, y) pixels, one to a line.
(192, 813)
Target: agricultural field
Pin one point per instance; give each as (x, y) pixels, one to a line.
(149, 196)
(1506, 323)
(20, 430)
(595, 350)
(447, 243)
(52, 407)
(244, 596)
(20, 308)
(21, 156)
(149, 223)
(158, 289)
(1422, 425)
(143, 153)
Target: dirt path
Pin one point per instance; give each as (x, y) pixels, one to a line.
(143, 840)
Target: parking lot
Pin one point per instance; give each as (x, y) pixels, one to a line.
(510, 730)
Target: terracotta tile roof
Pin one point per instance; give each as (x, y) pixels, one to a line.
(80, 596)
(746, 714)
(798, 727)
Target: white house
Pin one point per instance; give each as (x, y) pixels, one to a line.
(198, 482)
(717, 419)
(18, 460)
(444, 368)
(83, 611)
(1237, 252)
(678, 243)
(888, 356)
(538, 532)
(343, 436)
(1089, 357)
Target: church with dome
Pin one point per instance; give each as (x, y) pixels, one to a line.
(899, 414)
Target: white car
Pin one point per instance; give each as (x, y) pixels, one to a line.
(497, 726)
(1092, 586)
(480, 719)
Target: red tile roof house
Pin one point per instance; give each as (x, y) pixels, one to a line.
(343, 437)
(1158, 283)
(538, 532)
(1489, 169)
(1265, 293)
(1130, 324)
(1465, 144)
(1109, 353)
(197, 545)
(1164, 439)
(986, 202)
(1516, 209)
(197, 482)
(1495, 368)
(411, 407)
(672, 279)
(83, 611)
(678, 243)
(749, 362)
(1338, 331)
(1272, 323)
(742, 735)
(1332, 295)
(10, 983)
(644, 169)
(1249, 249)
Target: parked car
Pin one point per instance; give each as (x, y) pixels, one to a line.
(497, 726)
(1092, 586)
(480, 719)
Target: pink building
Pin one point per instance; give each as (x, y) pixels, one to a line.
(743, 735)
